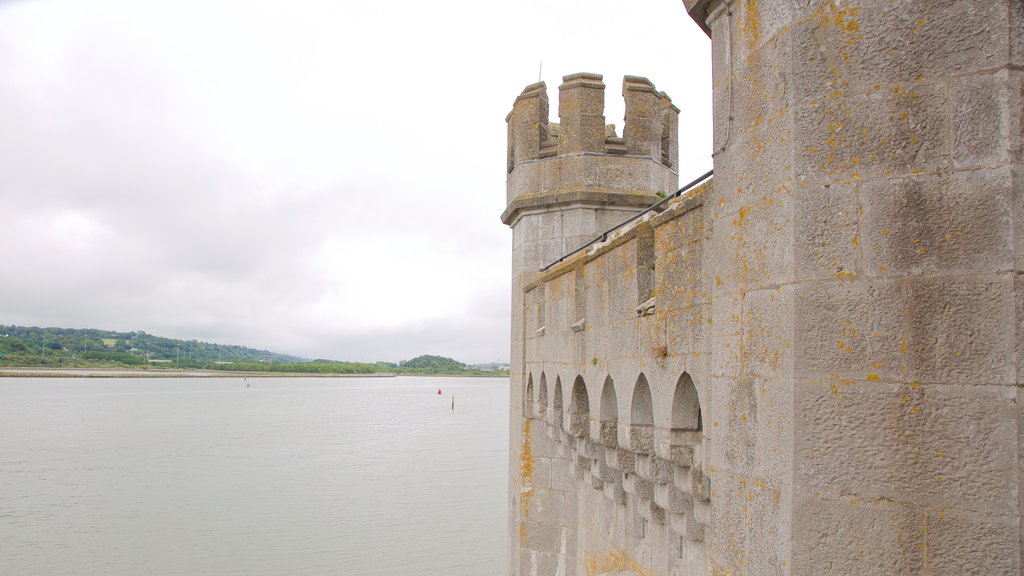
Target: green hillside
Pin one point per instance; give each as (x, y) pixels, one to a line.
(32, 346)
(22, 346)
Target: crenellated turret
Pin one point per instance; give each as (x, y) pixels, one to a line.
(580, 161)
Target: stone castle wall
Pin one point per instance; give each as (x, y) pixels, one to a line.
(808, 365)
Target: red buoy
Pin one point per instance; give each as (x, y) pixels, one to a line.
(438, 390)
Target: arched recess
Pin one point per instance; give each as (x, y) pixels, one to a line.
(609, 414)
(542, 398)
(686, 414)
(641, 418)
(579, 409)
(556, 404)
(528, 398)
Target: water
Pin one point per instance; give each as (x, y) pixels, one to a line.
(302, 476)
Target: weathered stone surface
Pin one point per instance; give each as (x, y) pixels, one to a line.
(653, 469)
(928, 445)
(937, 224)
(959, 330)
(827, 236)
(845, 297)
(857, 538)
(850, 328)
(847, 137)
(641, 438)
(673, 500)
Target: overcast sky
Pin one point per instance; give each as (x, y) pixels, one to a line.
(320, 178)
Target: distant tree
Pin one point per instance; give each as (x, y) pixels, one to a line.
(432, 363)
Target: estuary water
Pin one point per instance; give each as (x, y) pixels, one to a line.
(292, 476)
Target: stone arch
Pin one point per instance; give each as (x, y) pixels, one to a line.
(641, 417)
(686, 414)
(609, 414)
(528, 398)
(556, 401)
(579, 409)
(542, 397)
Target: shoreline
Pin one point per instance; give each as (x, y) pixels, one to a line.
(35, 372)
(167, 373)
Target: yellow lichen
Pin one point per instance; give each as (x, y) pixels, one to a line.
(614, 561)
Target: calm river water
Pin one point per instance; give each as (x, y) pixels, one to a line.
(297, 476)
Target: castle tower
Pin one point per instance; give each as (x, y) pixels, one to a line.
(868, 295)
(579, 172)
(567, 183)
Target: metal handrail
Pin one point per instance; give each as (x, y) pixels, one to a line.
(604, 235)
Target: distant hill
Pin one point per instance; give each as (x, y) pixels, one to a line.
(88, 347)
(432, 363)
(441, 365)
(33, 346)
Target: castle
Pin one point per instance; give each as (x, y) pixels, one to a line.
(807, 364)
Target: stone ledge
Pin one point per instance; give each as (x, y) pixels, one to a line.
(575, 197)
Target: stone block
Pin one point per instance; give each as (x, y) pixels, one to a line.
(761, 92)
(768, 334)
(733, 424)
(962, 542)
(857, 538)
(580, 465)
(653, 469)
(852, 328)
(614, 493)
(681, 455)
(843, 45)
(658, 514)
(768, 530)
(1018, 298)
(546, 563)
(673, 500)
(641, 438)
(601, 470)
(928, 445)
(700, 485)
(579, 425)
(621, 459)
(542, 537)
(726, 334)
(726, 535)
(541, 472)
(755, 25)
(985, 109)
(608, 434)
(546, 506)
(826, 236)
(960, 222)
(847, 137)
(638, 487)
(690, 528)
(681, 477)
(959, 330)
(753, 236)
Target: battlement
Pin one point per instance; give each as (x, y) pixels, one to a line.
(650, 129)
(581, 160)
